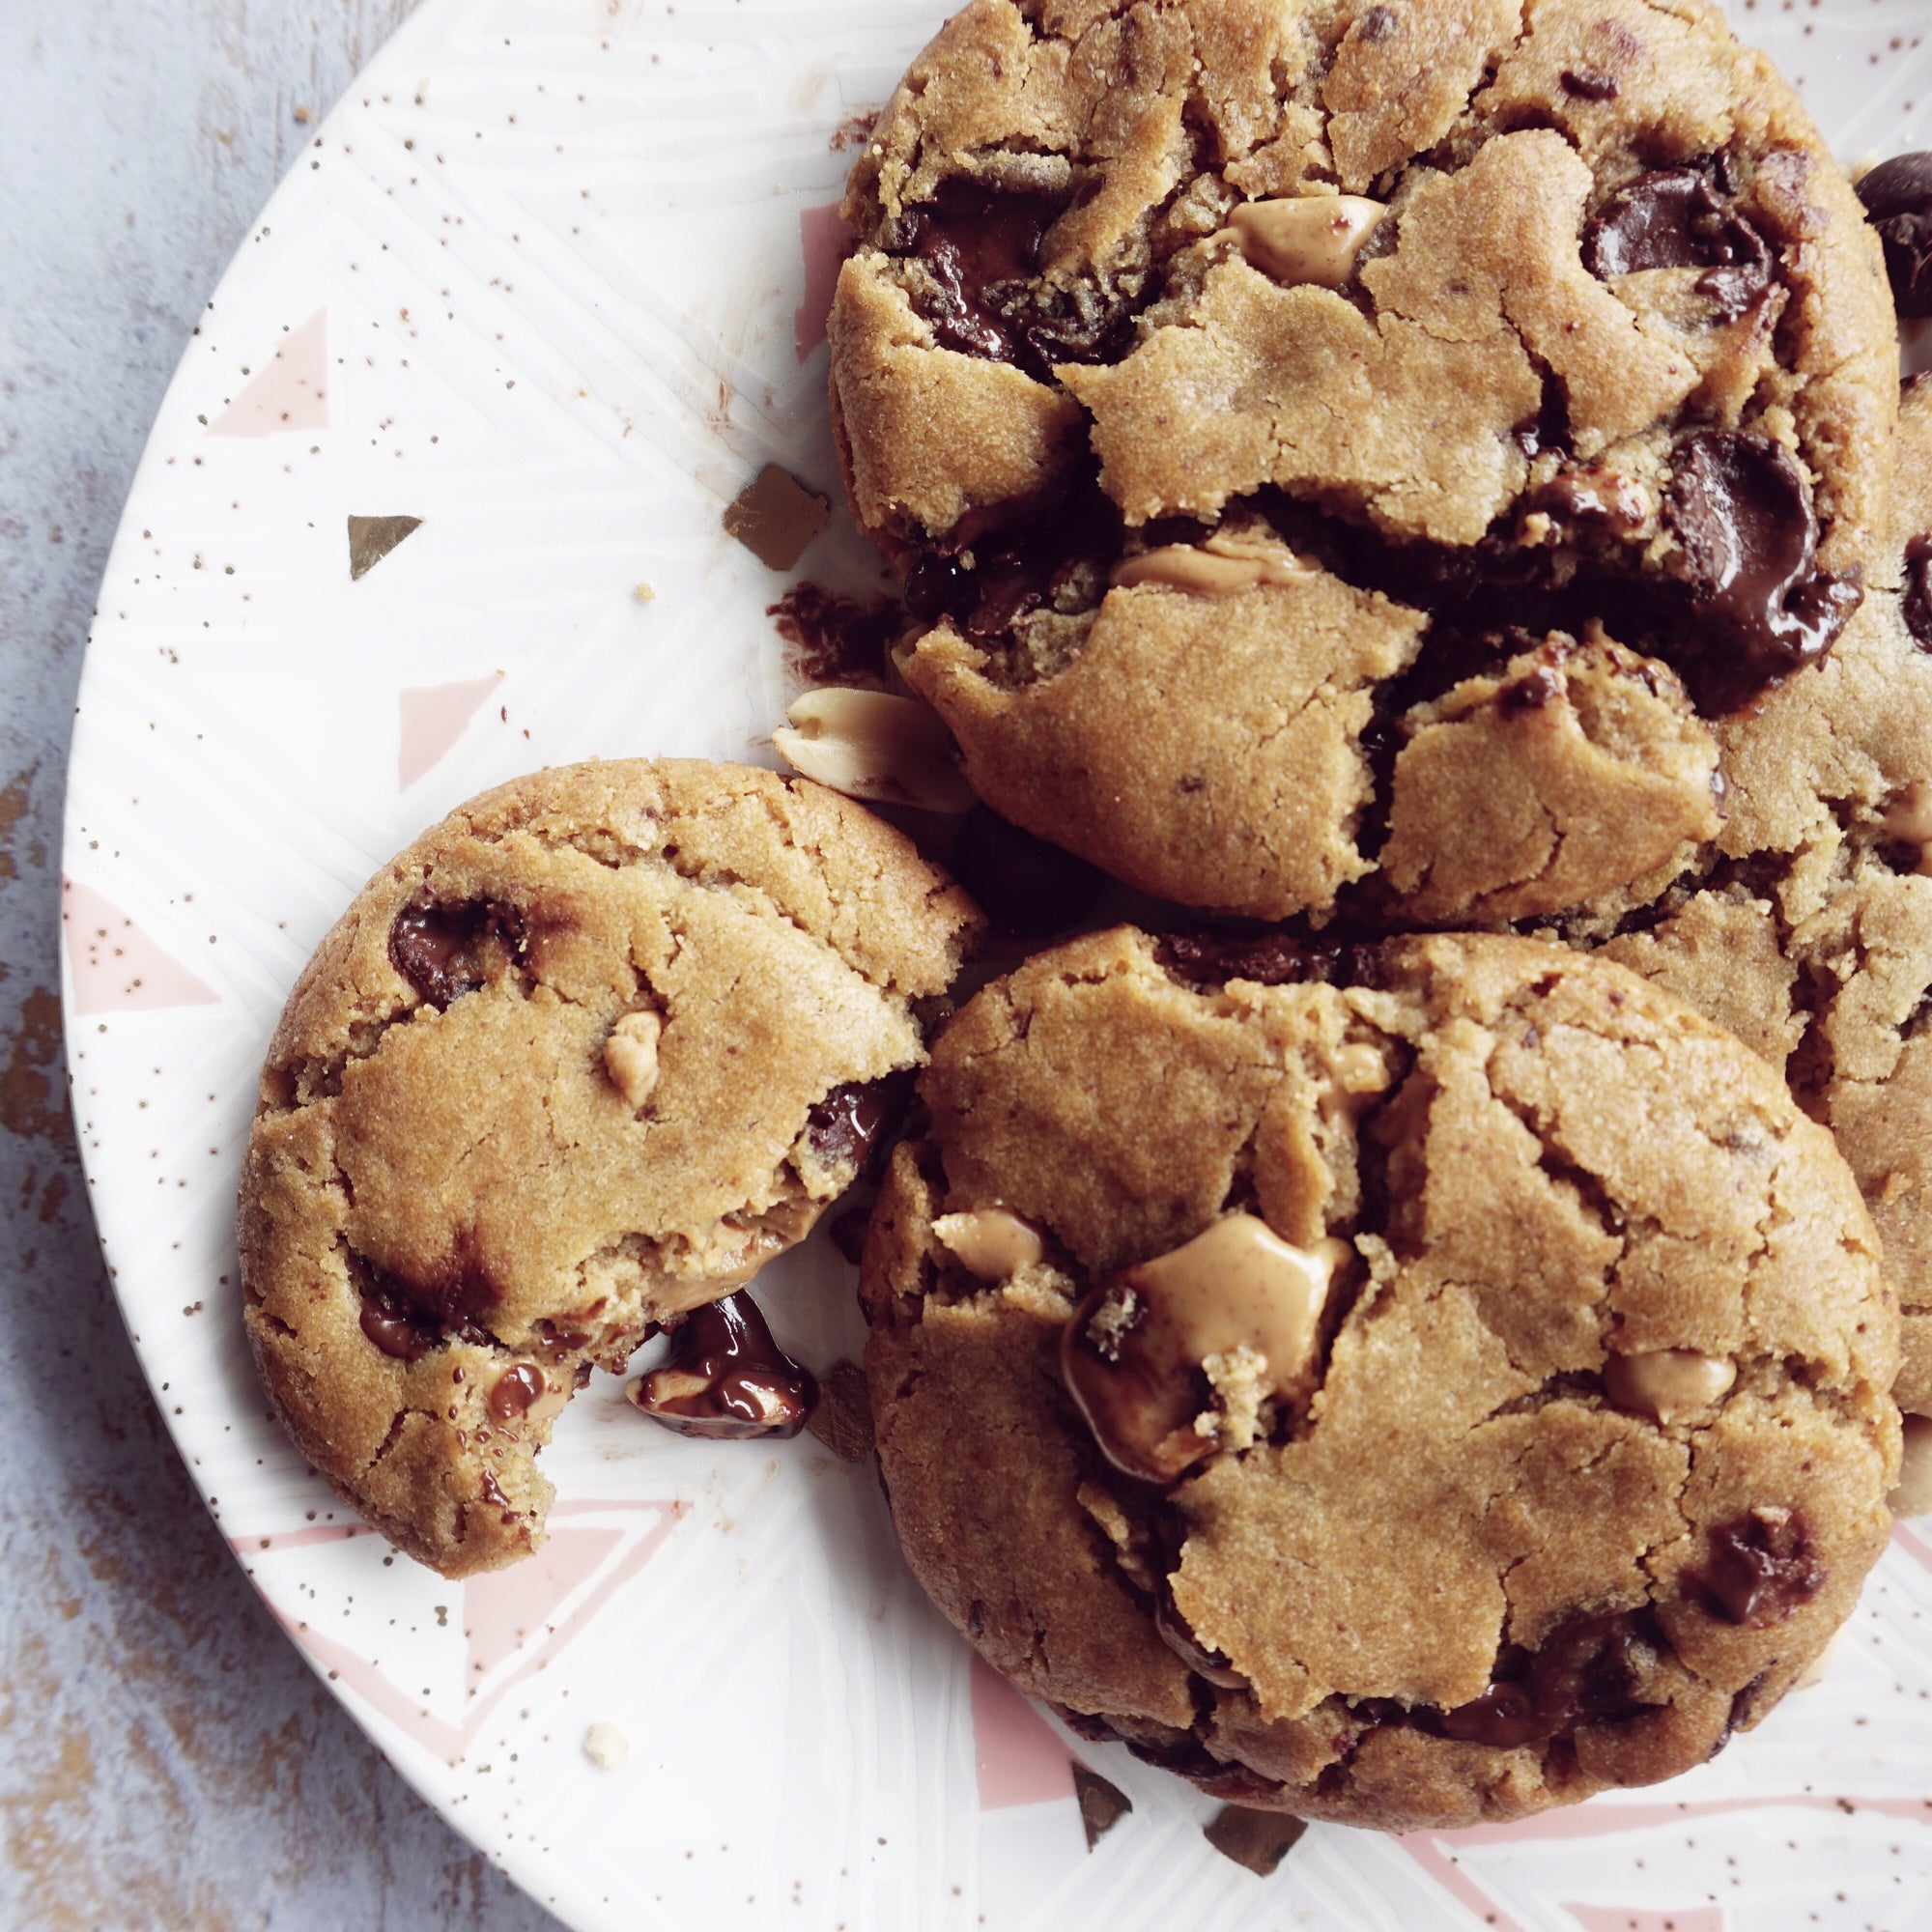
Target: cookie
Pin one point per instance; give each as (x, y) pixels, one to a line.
(1806, 928)
(1361, 456)
(582, 1059)
(1408, 1385)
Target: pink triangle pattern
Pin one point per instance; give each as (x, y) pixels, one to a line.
(1622, 1919)
(115, 966)
(1912, 1543)
(431, 719)
(826, 244)
(508, 1614)
(1020, 1760)
(291, 393)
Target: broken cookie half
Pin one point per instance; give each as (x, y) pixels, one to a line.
(1410, 1385)
(577, 1063)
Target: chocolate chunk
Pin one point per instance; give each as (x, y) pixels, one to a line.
(493, 1495)
(1257, 1839)
(1027, 887)
(854, 1121)
(1761, 1567)
(396, 1327)
(437, 948)
(1742, 510)
(1531, 693)
(1593, 500)
(1268, 958)
(1897, 196)
(725, 1378)
(995, 567)
(834, 640)
(372, 538)
(775, 517)
(1192, 1652)
(1587, 84)
(978, 244)
(1102, 1806)
(1378, 25)
(1916, 603)
(515, 1390)
(841, 1418)
(1677, 218)
(1586, 1671)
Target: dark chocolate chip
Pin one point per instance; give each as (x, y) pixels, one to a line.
(1102, 1806)
(1027, 887)
(977, 244)
(854, 1121)
(1378, 25)
(1742, 510)
(841, 1418)
(396, 1327)
(437, 948)
(1258, 1839)
(749, 1385)
(1677, 218)
(1530, 692)
(1268, 958)
(1897, 196)
(1761, 1567)
(1916, 603)
(1587, 83)
(407, 1319)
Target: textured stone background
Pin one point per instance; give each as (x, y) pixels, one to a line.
(165, 1759)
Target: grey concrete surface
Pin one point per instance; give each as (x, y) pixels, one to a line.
(165, 1759)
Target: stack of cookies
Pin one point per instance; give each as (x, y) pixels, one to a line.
(1410, 1329)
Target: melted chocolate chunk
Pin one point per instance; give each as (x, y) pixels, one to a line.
(1897, 196)
(1677, 218)
(515, 1390)
(1586, 1671)
(437, 948)
(1917, 603)
(1593, 500)
(1742, 510)
(745, 1385)
(407, 1319)
(1268, 958)
(1587, 84)
(988, 574)
(854, 1121)
(396, 1327)
(1192, 1652)
(1529, 693)
(1761, 1568)
(1027, 887)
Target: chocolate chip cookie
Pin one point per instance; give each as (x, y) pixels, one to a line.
(582, 1058)
(1807, 926)
(1376, 456)
(1408, 1385)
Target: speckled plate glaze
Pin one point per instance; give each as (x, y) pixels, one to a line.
(548, 288)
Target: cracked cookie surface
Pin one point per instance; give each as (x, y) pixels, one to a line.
(1806, 928)
(1410, 1385)
(1467, 330)
(582, 1059)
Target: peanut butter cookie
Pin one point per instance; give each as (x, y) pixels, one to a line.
(1376, 455)
(582, 1059)
(1407, 1385)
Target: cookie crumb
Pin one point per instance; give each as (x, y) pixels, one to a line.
(1257, 1839)
(1102, 1806)
(607, 1747)
(644, 594)
(842, 1417)
(775, 517)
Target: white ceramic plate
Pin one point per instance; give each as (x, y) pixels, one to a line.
(549, 280)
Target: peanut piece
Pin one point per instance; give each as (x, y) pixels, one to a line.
(1311, 238)
(1668, 1384)
(991, 1242)
(630, 1057)
(871, 745)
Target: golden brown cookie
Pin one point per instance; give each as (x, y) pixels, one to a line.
(582, 1058)
(1407, 1385)
(1289, 413)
